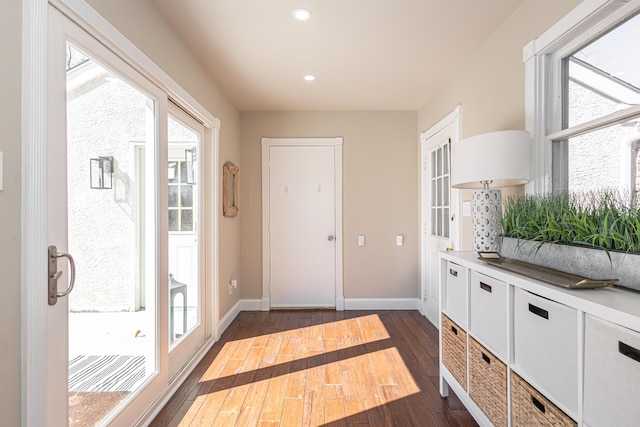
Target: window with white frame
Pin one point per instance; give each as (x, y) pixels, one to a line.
(585, 117)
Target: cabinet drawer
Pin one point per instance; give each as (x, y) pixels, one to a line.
(530, 408)
(546, 346)
(488, 312)
(454, 350)
(456, 292)
(488, 383)
(611, 374)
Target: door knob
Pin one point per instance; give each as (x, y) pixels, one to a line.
(331, 238)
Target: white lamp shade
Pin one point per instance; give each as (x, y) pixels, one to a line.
(499, 157)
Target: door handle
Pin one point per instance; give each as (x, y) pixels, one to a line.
(54, 274)
(331, 238)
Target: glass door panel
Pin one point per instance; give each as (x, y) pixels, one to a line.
(186, 311)
(111, 198)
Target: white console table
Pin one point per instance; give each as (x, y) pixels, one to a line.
(517, 350)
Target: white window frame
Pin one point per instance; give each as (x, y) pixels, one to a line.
(542, 58)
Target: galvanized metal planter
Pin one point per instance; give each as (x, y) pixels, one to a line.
(586, 262)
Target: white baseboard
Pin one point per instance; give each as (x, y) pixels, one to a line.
(382, 304)
(226, 320)
(250, 304)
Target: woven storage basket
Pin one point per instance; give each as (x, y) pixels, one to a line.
(454, 350)
(530, 408)
(488, 383)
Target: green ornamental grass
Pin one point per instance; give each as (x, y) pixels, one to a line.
(604, 219)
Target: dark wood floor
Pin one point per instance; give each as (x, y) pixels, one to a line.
(318, 368)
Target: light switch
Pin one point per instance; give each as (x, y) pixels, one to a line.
(466, 208)
(361, 240)
(1, 170)
(399, 240)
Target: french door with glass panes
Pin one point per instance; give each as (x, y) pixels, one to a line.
(440, 222)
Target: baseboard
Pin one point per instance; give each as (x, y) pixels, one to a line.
(226, 320)
(250, 304)
(382, 304)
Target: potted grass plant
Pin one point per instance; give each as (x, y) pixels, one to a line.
(595, 234)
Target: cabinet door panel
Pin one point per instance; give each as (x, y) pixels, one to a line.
(488, 312)
(546, 347)
(611, 374)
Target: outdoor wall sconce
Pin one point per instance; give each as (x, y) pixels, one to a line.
(190, 162)
(101, 171)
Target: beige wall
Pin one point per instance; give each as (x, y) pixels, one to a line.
(143, 25)
(379, 196)
(490, 86)
(10, 36)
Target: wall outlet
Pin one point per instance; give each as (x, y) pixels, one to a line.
(234, 284)
(361, 240)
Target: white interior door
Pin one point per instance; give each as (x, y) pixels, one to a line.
(303, 240)
(440, 219)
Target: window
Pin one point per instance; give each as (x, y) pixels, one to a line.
(180, 197)
(586, 117)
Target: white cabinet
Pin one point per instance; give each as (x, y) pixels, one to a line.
(456, 293)
(611, 374)
(570, 357)
(488, 312)
(545, 336)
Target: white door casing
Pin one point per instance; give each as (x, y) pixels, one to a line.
(437, 198)
(302, 222)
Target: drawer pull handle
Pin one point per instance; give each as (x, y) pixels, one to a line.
(454, 330)
(453, 272)
(630, 352)
(485, 287)
(486, 358)
(538, 404)
(538, 311)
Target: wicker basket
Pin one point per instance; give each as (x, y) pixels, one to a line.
(530, 408)
(454, 350)
(488, 383)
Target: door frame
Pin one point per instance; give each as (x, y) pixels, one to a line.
(267, 143)
(453, 118)
(34, 195)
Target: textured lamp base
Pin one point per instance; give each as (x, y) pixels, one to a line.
(487, 225)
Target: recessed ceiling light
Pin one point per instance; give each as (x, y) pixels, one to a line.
(309, 78)
(301, 14)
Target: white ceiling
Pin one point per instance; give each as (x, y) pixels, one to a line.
(365, 54)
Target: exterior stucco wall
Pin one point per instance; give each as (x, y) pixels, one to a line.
(605, 158)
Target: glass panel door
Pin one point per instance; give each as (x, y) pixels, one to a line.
(186, 290)
(110, 145)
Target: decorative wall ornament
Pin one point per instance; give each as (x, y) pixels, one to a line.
(230, 190)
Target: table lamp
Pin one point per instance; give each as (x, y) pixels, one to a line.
(499, 159)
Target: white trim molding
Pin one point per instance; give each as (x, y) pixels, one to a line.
(382, 304)
(34, 207)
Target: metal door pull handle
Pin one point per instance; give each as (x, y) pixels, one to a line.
(54, 274)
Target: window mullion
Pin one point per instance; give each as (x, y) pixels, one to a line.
(595, 124)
